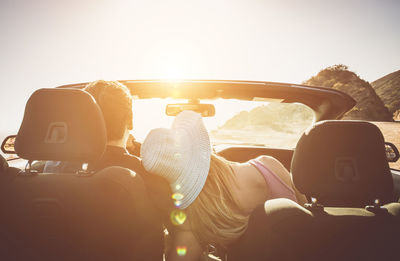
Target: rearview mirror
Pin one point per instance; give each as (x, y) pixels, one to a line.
(8, 145)
(206, 110)
(392, 153)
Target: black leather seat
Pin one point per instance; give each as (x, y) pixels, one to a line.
(73, 216)
(6, 171)
(282, 230)
(343, 163)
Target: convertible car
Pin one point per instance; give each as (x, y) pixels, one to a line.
(341, 166)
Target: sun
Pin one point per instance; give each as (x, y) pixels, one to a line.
(173, 73)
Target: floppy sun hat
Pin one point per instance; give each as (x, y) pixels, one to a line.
(181, 154)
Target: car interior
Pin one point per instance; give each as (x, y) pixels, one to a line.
(341, 166)
(353, 214)
(73, 216)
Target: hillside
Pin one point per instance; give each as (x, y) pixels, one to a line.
(388, 89)
(274, 125)
(369, 106)
(276, 116)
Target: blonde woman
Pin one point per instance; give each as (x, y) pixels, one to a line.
(214, 197)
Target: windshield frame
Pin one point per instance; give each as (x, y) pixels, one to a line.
(327, 103)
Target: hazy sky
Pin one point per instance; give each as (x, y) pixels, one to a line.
(48, 43)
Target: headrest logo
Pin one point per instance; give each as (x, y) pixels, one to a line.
(346, 170)
(57, 132)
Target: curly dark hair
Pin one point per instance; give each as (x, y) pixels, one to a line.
(115, 101)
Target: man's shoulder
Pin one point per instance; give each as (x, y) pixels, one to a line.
(116, 156)
(132, 162)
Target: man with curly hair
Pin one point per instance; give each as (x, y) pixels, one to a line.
(115, 102)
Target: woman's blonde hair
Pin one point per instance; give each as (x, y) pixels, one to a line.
(215, 217)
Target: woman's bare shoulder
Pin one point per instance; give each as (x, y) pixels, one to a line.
(267, 160)
(277, 167)
(247, 168)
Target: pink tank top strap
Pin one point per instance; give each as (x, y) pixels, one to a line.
(278, 188)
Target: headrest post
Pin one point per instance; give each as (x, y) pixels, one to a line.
(314, 205)
(376, 208)
(28, 168)
(84, 167)
(84, 172)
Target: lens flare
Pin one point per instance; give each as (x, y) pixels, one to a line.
(178, 217)
(181, 250)
(178, 187)
(177, 196)
(177, 203)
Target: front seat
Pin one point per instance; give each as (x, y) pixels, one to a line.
(352, 228)
(104, 215)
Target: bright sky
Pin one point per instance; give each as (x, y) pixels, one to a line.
(48, 43)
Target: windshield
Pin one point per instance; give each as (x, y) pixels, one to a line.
(239, 122)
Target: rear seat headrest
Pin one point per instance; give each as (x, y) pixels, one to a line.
(61, 124)
(343, 163)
